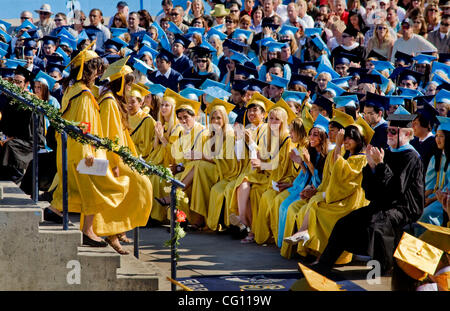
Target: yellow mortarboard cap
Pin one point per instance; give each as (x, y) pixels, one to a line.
(138, 91)
(117, 70)
(261, 101)
(84, 56)
(416, 257)
(317, 281)
(218, 102)
(366, 130)
(342, 118)
(308, 120)
(437, 236)
(182, 102)
(282, 104)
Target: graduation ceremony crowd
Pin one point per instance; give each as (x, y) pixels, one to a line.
(318, 126)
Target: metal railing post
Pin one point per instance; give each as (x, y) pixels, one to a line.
(65, 198)
(173, 259)
(35, 184)
(136, 242)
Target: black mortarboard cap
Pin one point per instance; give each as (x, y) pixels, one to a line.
(443, 86)
(401, 120)
(376, 55)
(255, 85)
(353, 71)
(429, 113)
(343, 57)
(443, 57)
(190, 82)
(274, 62)
(325, 103)
(30, 43)
(111, 44)
(351, 31)
(234, 45)
(55, 58)
(400, 56)
(164, 54)
(112, 58)
(306, 81)
(396, 72)
(375, 100)
(201, 51)
(309, 65)
(7, 72)
(50, 40)
(182, 40)
(369, 78)
(410, 75)
(421, 101)
(245, 71)
(28, 75)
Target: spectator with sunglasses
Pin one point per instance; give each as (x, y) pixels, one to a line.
(45, 23)
(176, 16)
(61, 22)
(441, 38)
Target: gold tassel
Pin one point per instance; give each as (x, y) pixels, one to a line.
(122, 85)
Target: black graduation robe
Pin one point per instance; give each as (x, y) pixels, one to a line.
(172, 82)
(182, 64)
(376, 229)
(426, 149)
(379, 138)
(192, 74)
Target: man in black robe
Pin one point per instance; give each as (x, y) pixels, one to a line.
(16, 147)
(165, 75)
(393, 182)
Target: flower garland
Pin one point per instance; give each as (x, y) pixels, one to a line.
(179, 232)
(82, 136)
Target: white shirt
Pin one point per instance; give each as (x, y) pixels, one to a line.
(430, 134)
(415, 45)
(282, 12)
(167, 74)
(308, 20)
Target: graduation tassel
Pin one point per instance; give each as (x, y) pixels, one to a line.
(122, 85)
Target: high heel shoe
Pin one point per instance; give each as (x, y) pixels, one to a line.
(236, 221)
(295, 239)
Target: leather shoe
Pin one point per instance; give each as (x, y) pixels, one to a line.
(49, 215)
(90, 242)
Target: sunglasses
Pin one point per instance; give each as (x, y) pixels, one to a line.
(44, 13)
(202, 60)
(174, 14)
(392, 131)
(58, 20)
(228, 21)
(25, 18)
(234, 11)
(381, 28)
(445, 24)
(433, 10)
(406, 26)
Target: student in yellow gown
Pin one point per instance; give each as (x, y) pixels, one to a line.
(281, 176)
(311, 193)
(187, 152)
(317, 219)
(87, 194)
(135, 208)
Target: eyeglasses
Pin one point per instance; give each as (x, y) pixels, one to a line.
(174, 14)
(234, 11)
(44, 13)
(392, 131)
(25, 17)
(228, 21)
(381, 28)
(445, 24)
(417, 22)
(433, 10)
(202, 60)
(58, 20)
(345, 36)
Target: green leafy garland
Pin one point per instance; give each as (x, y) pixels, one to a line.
(60, 124)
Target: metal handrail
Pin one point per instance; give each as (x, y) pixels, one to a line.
(97, 141)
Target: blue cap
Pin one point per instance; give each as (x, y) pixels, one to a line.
(149, 51)
(13, 63)
(341, 60)
(242, 33)
(444, 123)
(193, 30)
(4, 45)
(82, 36)
(156, 89)
(246, 71)
(173, 28)
(375, 100)
(116, 32)
(141, 66)
(409, 93)
(5, 35)
(285, 30)
(321, 122)
(437, 66)
(424, 59)
(192, 93)
(239, 57)
(209, 83)
(214, 32)
(72, 44)
(402, 110)
(234, 45)
(254, 85)
(438, 80)
(279, 81)
(313, 31)
(65, 33)
(336, 90)
(146, 40)
(180, 39)
(63, 54)
(325, 68)
(28, 52)
(396, 100)
(205, 44)
(46, 79)
(443, 96)
(27, 24)
(320, 44)
(7, 25)
(25, 35)
(166, 55)
(294, 96)
(381, 65)
(214, 91)
(346, 101)
(342, 82)
(3, 52)
(265, 41)
(275, 46)
(163, 40)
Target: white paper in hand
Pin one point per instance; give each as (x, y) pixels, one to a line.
(297, 153)
(99, 168)
(275, 186)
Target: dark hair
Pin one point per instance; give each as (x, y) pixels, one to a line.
(423, 121)
(201, 19)
(352, 132)
(361, 22)
(351, 111)
(45, 91)
(147, 17)
(90, 67)
(446, 151)
(256, 9)
(166, 2)
(336, 125)
(254, 105)
(188, 111)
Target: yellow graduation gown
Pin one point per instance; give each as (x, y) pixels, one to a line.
(87, 194)
(282, 173)
(338, 202)
(135, 208)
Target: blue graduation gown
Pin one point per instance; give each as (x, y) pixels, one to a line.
(379, 138)
(182, 64)
(172, 82)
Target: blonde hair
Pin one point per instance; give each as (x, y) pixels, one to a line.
(219, 46)
(281, 114)
(299, 128)
(172, 120)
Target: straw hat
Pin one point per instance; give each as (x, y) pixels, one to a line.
(220, 11)
(46, 8)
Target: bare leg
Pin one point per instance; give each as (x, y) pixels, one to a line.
(113, 240)
(243, 198)
(301, 234)
(87, 228)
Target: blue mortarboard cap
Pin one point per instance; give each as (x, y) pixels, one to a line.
(308, 65)
(345, 101)
(7, 25)
(320, 44)
(375, 100)
(341, 82)
(241, 32)
(444, 123)
(208, 46)
(5, 35)
(4, 46)
(294, 96)
(217, 92)
(148, 50)
(141, 66)
(190, 82)
(369, 78)
(185, 42)
(305, 81)
(13, 63)
(146, 40)
(63, 54)
(321, 122)
(116, 32)
(193, 30)
(25, 35)
(246, 71)
(50, 40)
(82, 36)
(174, 28)
(265, 41)
(27, 24)
(214, 31)
(437, 66)
(400, 56)
(239, 57)
(334, 89)
(402, 111)
(439, 80)
(72, 44)
(65, 33)
(28, 52)
(409, 93)
(255, 85)
(209, 83)
(324, 68)
(275, 46)
(381, 65)
(192, 93)
(312, 31)
(279, 81)
(165, 54)
(341, 60)
(412, 75)
(156, 89)
(234, 45)
(240, 85)
(3, 52)
(443, 96)
(424, 59)
(285, 29)
(395, 100)
(163, 40)
(46, 79)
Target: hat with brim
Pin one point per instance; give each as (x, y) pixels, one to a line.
(45, 8)
(219, 11)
